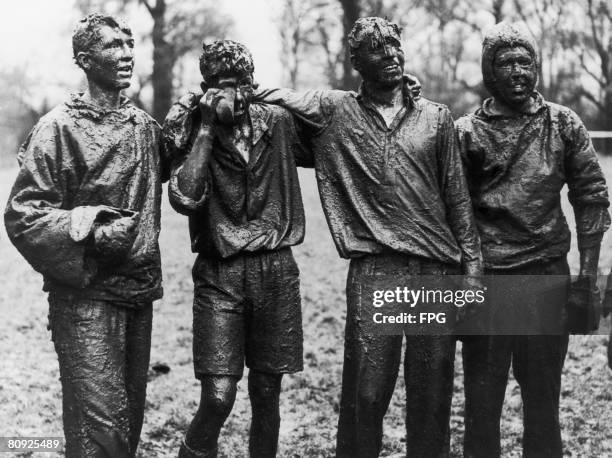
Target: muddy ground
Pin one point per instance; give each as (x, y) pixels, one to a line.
(30, 402)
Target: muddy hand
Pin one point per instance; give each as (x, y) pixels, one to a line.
(208, 106)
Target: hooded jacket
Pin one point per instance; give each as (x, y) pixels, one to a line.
(81, 165)
(504, 35)
(516, 167)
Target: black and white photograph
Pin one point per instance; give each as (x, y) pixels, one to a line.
(306, 228)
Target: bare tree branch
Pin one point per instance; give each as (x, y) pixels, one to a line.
(149, 8)
(596, 39)
(586, 68)
(591, 98)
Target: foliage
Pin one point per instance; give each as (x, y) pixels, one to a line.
(442, 40)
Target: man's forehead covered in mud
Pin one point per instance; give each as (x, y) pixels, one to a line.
(374, 31)
(87, 32)
(225, 58)
(498, 37)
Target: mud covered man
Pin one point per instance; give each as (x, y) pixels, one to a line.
(519, 151)
(396, 202)
(235, 177)
(85, 212)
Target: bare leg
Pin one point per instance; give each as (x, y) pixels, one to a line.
(264, 391)
(218, 395)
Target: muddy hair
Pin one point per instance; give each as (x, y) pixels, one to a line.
(225, 57)
(87, 32)
(373, 29)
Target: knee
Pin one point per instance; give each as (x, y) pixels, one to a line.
(218, 395)
(264, 388)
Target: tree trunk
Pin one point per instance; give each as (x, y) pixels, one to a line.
(498, 14)
(163, 63)
(606, 118)
(351, 11)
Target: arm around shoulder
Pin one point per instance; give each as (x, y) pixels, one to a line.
(313, 109)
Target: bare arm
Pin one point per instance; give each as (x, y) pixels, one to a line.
(192, 173)
(188, 180)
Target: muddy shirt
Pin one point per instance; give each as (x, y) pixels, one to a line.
(398, 188)
(247, 206)
(516, 168)
(78, 160)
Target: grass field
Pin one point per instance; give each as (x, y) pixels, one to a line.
(30, 401)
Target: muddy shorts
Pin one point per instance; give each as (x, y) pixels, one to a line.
(247, 308)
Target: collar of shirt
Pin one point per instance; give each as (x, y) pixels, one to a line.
(487, 110)
(124, 112)
(260, 118)
(364, 98)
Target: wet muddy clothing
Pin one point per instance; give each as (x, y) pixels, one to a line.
(247, 305)
(246, 206)
(537, 363)
(371, 364)
(247, 308)
(516, 168)
(398, 188)
(103, 350)
(77, 161)
(80, 164)
(394, 197)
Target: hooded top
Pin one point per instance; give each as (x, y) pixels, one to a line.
(79, 163)
(504, 35)
(516, 167)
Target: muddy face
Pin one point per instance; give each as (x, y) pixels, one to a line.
(515, 75)
(110, 61)
(237, 93)
(380, 61)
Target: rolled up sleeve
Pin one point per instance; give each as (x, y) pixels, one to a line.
(178, 138)
(588, 192)
(179, 201)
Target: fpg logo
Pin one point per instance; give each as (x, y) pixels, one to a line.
(431, 317)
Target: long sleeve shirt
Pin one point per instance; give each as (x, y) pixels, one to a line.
(79, 162)
(516, 168)
(398, 188)
(250, 204)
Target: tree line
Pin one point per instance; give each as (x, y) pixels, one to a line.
(441, 40)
